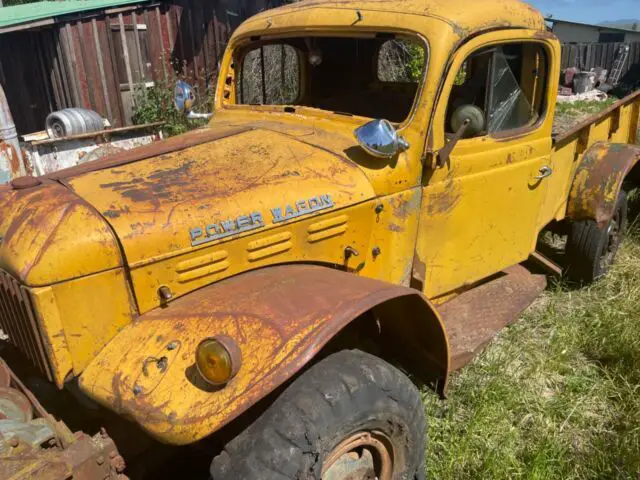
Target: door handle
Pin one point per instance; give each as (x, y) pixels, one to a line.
(545, 172)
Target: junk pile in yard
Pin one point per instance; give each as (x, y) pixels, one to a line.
(578, 85)
(593, 85)
(71, 136)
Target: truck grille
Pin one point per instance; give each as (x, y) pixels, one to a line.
(18, 320)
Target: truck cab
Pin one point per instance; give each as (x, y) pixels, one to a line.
(359, 207)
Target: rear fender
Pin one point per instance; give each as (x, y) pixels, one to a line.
(280, 317)
(598, 181)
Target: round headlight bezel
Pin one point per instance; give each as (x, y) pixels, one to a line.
(230, 349)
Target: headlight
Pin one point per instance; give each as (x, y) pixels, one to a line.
(218, 359)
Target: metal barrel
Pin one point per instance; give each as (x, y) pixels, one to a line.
(73, 121)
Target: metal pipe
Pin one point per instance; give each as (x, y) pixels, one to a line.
(9, 135)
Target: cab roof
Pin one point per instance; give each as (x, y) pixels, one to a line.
(464, 16)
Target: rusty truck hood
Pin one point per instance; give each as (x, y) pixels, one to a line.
(212, 186)
(48, 235)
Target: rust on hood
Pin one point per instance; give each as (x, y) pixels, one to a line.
(173, 144)
(280, 317)
(154, 204)
(49, 234)
(598, 181)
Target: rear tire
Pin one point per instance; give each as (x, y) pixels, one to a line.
(350, 413)
(592, 251)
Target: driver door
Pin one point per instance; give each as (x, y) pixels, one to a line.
(481, 208)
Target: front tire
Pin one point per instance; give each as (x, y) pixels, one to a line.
(591, 251)
(349, 414)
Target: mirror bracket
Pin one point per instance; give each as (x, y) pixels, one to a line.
(443, 155)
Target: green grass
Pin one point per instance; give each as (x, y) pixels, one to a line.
(582, 107)
(557, 395)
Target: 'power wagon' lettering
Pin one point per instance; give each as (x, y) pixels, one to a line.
(244, 223)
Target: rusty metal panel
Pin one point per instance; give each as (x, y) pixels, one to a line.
(473, 318)
(280, 317)
(598, 181)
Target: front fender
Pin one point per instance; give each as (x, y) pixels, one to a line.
(598, 181)
(280, 318)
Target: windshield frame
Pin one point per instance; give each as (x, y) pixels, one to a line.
(244, 43)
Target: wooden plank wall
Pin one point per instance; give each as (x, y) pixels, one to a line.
(73, 62)
(591, 55)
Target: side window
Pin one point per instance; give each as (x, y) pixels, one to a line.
(269, 75)
(505, 85)
(400, 61)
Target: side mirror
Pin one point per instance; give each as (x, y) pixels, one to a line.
(380, 139)
(183, 98)
(467, 121)
(477, 122)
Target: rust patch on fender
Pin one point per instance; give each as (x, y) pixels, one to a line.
(276, 338)
(598, 181)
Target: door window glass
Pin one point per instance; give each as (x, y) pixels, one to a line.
(507, 85)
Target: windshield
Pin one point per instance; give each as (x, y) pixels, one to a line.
(374, 77)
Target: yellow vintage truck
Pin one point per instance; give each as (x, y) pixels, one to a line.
(365, 204)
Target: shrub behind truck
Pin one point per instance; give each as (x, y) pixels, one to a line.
(365, 204)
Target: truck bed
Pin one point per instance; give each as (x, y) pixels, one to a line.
(618, 123)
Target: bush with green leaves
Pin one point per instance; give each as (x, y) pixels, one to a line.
(156, 104)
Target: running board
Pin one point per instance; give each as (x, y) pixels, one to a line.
(474, 317)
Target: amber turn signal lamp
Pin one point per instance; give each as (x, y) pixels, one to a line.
(218, 359)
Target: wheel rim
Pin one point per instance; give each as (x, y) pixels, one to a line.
(363, 455)
(614, 234)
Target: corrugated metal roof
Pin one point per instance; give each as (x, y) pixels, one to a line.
(32, 12)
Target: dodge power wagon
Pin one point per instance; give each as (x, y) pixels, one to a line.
(365, 204)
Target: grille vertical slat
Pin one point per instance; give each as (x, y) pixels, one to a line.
(19, 321)
(27, 308)
(22, 335)
(10, 328)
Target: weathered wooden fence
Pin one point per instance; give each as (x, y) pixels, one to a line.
(591, 55)
(97, 59)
